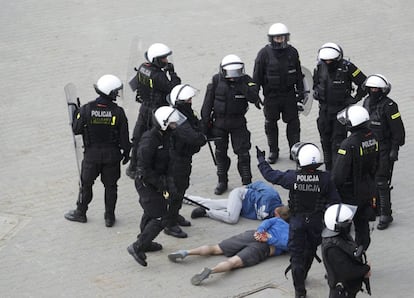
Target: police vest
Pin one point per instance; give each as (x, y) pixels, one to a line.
(146, 90)
(102, 124)
(348, 247)
(333, 88)
(379, 124)
(228, 100)
(305, 195)
(277, 78)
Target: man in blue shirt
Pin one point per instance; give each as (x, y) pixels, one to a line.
(257, 200)
(245, 249)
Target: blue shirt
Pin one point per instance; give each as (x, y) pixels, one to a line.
(279, 232)
(260, 201)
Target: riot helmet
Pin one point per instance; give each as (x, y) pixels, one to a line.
(181, 94)
(278, 30)
(306, 155)
(232, 67)
(353, 116)
(108, 86)
(156, 54)
(377, 81)
(330, 51)
(165, 116)
(338, 219)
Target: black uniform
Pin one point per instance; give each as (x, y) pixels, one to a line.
(332, 85)
(310, 192)
(354, 176)
(153, 87)
(279, 73)
(222, 113)
(151, 184)
(186, 140)
(104, 128)
(345, 270)
(387, 125)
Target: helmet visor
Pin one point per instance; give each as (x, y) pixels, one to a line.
(174, 119)
(342, 116)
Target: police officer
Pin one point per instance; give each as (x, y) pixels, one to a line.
(153, 82)
(310, 191)
(186, 140)
(277, 69)
(333, 81)
(104, 128)
(225, 104)
(151, 181)
(354, 169)
(387, 124)
(343, 259)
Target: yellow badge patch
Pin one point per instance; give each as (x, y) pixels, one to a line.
(341, 151)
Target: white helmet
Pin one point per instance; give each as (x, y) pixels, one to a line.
(278, 29)
(338, 218)
(306, 154)
(108, 85)
(232, 66)
(353, 116)
(166, 115)
(330, 51)
(182, 92)
(378, 81)
(157, 51)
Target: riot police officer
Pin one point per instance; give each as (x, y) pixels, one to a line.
(354, 169)
(153, 82)
(186, 140)
(151, 181)
(278, 71)
(333, 82)
(310, 191)
(104, 128)
(387, 124)
(344, 261)
(223, 115)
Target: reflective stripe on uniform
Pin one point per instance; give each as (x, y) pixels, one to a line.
(356, 72)
(113, 120)
(395, 116)
(342, 151)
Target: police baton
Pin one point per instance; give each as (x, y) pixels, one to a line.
(209, 139)
(196, 203)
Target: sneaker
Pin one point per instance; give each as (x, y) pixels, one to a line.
(198, 278)
(220, 188)
(182, 221)
(154, 246)
(198, 212)
(181, 254)
(139, 256)
(109, 220)
(175, 231)
(76, 215)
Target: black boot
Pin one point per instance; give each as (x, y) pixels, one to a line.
(273, 157)
(243, 166)
(76, 215)
(385, 208)
(109, 219)
(223, 165)
(220, 188)
(138, 254)
(175, 231)
(182, 221)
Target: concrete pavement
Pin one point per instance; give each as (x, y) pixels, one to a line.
(46, 44)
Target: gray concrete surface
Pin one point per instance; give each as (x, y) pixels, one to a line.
(46, 44)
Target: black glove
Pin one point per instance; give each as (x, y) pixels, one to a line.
(172, 188)
(126, 159)
(169, 68)
(258, 104)
(394, 154)
(260, 154)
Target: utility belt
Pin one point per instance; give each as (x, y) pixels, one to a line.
(307, 216)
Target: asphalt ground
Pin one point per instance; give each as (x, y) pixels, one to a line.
(46, 44)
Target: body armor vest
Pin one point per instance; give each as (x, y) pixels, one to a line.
(102, 124)
(228, 100)
(281, 72)
(146, 92)
(377, 116)
(306, 197)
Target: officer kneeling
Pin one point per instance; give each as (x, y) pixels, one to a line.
(344, 261)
